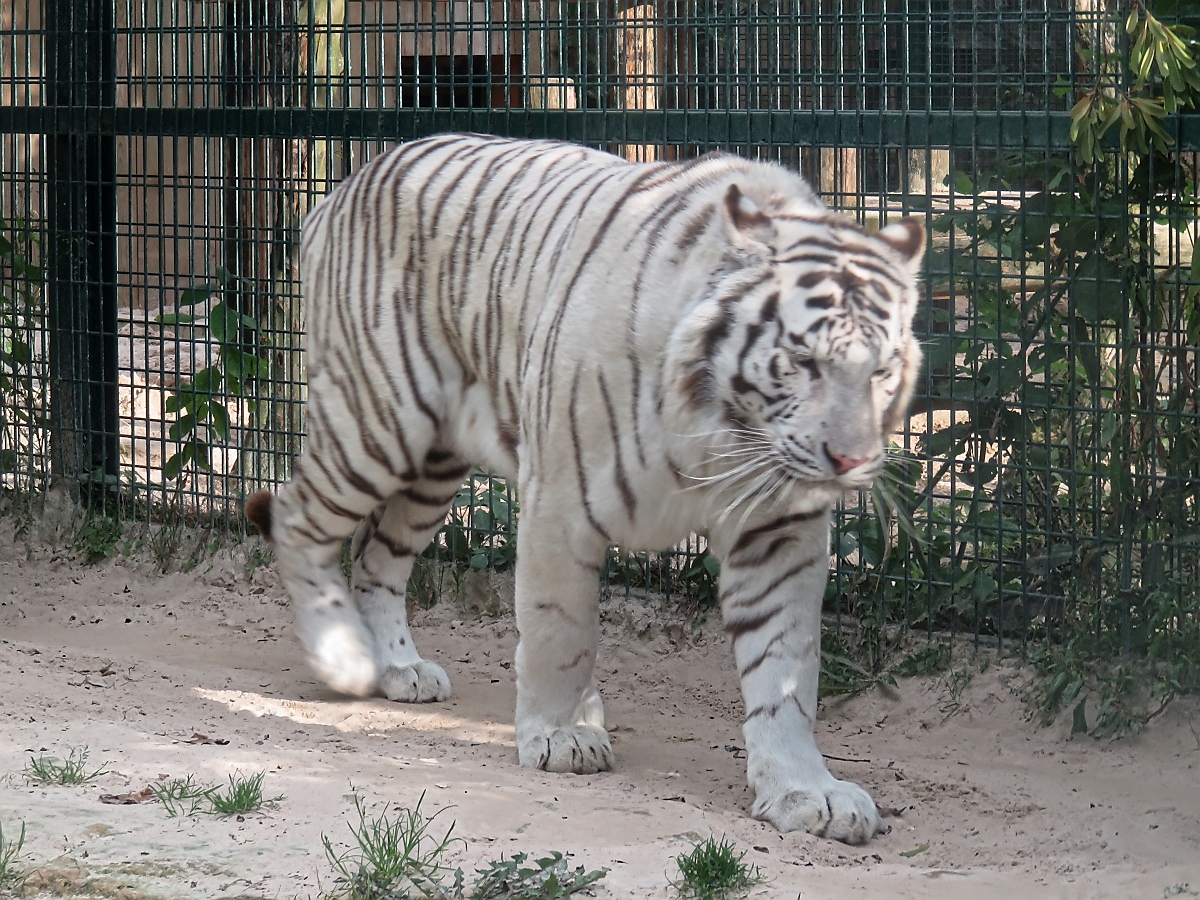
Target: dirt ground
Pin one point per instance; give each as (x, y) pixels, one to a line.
(980, 802)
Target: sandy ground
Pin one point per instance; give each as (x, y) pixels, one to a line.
(132, 664)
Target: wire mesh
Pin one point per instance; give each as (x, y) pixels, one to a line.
(157, 159)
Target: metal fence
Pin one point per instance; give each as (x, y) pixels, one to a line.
(157, 158)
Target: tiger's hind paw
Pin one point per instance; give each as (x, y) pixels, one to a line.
(422, 682)
(341, 659)
(840, 810)
(582, 749)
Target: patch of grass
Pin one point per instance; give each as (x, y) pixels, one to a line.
(929, 659)
(72, 770)
(11, 873)
(401, 857)
(840, 674)
(244, 795)
(715, 871)
(954, 684)
(182, 796)
(393, 858)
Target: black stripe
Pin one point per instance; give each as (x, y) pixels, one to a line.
(627, 496)
(749, 537)
(739, 627)
(579, 470)
(776, 582)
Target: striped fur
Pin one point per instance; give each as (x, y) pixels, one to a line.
(648, 350)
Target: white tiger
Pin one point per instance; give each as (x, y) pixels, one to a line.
(649, 350)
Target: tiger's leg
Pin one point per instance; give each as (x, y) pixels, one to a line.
(772, 584)
(560, 718)
(305, 525)
(385, 547)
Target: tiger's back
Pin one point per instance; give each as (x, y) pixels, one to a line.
(648, 350)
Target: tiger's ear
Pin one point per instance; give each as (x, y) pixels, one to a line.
(907, 238)
(748, 226)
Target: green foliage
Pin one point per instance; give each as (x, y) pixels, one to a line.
(1067, 472)
(199, 405)
(715, 870)
(97, 538)
(691, 578)
(11, 873)
(1136, 93)
(481, 531)
(72, 770)
(21, 294)
(1115, 679)
(519, 878)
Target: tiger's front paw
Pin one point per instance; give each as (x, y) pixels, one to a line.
(582, 749)
(839, 809)
(422, 682)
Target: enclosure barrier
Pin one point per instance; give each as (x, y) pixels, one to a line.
(157, 159)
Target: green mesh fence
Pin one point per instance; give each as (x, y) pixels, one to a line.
(157, 159)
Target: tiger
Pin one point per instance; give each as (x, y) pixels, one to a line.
(647, 351)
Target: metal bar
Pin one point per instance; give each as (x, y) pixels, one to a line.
(887, 128)
(81, 243)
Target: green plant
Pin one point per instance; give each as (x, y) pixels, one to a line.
(11, 874)
(202, 417)
(182, 796)
(392, 858)
(715, 870)
(481, 530)
(1056, 504)
(519, 878)
(243, 795)
(72, 770)
(97, 538)
(403, 857)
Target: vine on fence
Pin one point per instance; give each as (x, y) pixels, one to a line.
(1063, 497)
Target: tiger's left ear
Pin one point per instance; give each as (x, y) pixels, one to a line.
(749, 227)
(907, 238)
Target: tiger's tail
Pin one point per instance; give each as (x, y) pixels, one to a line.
(258, 511)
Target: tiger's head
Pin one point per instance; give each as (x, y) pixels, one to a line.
(802, 358)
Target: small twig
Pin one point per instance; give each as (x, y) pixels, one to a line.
(845, 758)
(1167, 699)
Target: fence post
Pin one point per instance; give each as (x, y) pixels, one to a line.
(81, 242)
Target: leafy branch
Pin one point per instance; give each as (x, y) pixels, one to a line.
(197, 404)
(1165, 78)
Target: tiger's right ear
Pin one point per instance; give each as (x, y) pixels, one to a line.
(749, 228)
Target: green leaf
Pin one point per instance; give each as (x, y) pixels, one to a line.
(173, 466)
(1079, 723)
(198, 294)
(218, 417)
(182, 428)
(712, 566)
(1097, 289)
(207, 381)
(225, 324)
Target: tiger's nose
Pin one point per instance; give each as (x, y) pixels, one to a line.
(843, 464)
